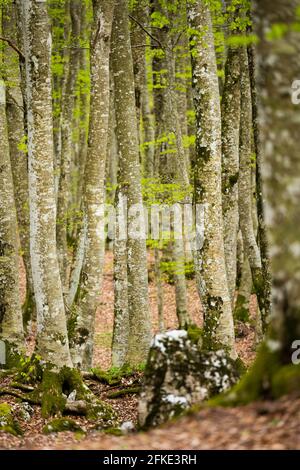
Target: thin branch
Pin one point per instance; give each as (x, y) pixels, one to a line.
(144, 45)
(146, 31)
(14, 47)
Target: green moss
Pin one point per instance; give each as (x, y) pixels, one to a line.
(241, 313)
(28, 309)
(7, 422)
(255, 384)
(113, 431)
(114, 375)
(57, 385)
(110, 377)
(194, 333)
(53, 401)
(5, 409)
(286, 381)
(101, 412)
(61, 425)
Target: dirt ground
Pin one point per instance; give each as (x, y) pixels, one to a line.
(257, 426)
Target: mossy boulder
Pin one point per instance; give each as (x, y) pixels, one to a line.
(7, 422)
(179, 375)
(61, 425)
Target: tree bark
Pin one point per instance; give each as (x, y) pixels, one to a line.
(230, 164)
(251, 248)
(87, 296)
(16, 112)
(209, 254)
(130, 187)
(67, 153)
(52, 340)
(11, 323)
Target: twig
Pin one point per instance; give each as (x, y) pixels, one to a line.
(14, 47)
(146, 31)
(144, 45)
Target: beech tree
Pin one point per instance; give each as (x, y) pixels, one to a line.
(52, 339)
(210, 255)
(11, 323)
(86, 300)
(129, 187)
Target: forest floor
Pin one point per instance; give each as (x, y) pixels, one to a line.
(265, 425)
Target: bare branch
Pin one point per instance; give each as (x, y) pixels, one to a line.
(14, 47)
(146, 31)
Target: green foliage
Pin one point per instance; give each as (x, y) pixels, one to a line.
(22, 145)
(277, 31)
(30, 369)
(156, 192)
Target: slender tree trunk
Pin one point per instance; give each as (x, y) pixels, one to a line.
(84, 107)
(260, 202)
(209, 255)
(87, 296)
(67, 154)
(251, 248)
(11, 324)
(242, 306)
(52, 340)
(148, 128)
(121, 312)
(230, 164)
(62, 26)
(16, 111)
(130, 187)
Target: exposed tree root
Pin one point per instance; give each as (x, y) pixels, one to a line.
(58, 392)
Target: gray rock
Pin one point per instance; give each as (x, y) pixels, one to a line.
(178, 375)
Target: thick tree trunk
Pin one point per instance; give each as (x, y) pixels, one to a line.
(52, 340)
(130, 187)
(87, 297)
(209, 255)
(275, 371)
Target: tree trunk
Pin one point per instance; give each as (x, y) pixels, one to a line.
(16, 112)
(130, 187)
(275, 371)
(52, 340)
(230, 164)
(11, 324)
(67, 154)
(260, 201)
(209, 255)
(87, 297)
(251, 248)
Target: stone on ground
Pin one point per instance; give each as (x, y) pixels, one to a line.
(179, 375)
